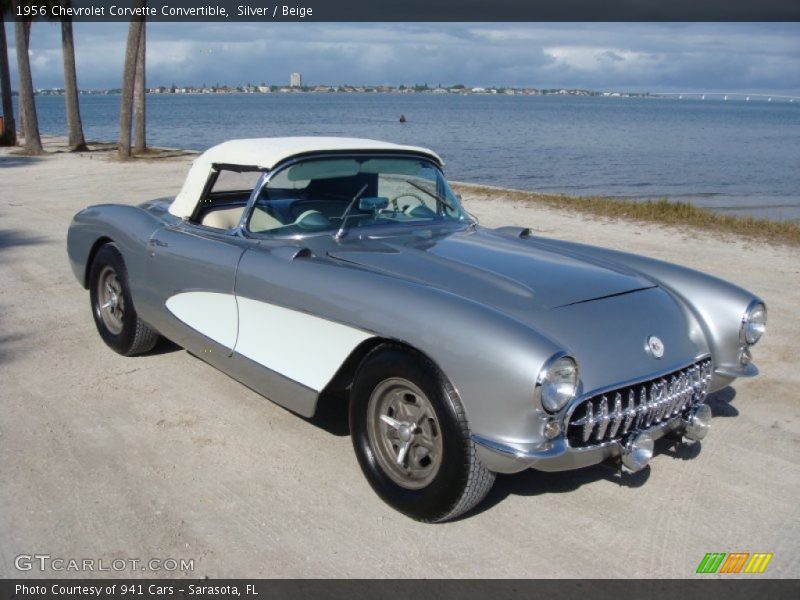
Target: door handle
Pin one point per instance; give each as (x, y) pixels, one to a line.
(156, 242)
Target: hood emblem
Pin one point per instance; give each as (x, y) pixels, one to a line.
(655, 346)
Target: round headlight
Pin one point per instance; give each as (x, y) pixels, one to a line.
(754, 323)
(557, 382)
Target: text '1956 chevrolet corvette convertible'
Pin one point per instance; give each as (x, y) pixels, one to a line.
(309, 266)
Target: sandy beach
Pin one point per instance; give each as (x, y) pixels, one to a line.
(163, 456)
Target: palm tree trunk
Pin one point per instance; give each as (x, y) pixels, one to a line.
(21, 128)
(27, 102)
(128, 76)
(76, 141)
(140, 85)
(8, 136)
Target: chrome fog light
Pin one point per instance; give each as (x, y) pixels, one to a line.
(637, 452)
(698, 423)
(552, 429)
(745, 356)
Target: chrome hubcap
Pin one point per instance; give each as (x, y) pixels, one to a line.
(404, 432)
(110, 300)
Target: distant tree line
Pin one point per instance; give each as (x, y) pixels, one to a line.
(132, 102)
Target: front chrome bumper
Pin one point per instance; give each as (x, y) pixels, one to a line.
(555, 455)
(559, 455)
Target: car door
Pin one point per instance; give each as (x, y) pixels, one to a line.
(191, 276)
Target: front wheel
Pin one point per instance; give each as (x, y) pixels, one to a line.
(411, 437)
(112, 306)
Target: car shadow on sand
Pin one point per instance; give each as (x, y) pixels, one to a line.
(720, 403)
(537, 483)
(332, 414)
(163, 346)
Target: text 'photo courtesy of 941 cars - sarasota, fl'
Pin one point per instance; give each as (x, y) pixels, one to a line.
(307, 267)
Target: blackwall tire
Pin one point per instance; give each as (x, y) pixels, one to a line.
(112, 307)
(400, 398)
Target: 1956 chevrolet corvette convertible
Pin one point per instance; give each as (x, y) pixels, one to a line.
(305, 267)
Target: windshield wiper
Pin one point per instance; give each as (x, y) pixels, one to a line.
(346, 214)
(435, 195)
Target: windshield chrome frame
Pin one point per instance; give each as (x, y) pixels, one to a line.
(267, 176)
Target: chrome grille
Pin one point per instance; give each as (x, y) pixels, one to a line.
(610, 416)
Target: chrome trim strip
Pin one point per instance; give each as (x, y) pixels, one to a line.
(656, 375)
(549, 449)
(749, 370)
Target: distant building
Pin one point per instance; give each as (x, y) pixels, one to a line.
(295, 80)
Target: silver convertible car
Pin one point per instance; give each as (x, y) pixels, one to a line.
(309, 267)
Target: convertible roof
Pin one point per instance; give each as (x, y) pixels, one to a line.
(265, 154)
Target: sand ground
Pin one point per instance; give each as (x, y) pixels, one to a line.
(162, 456)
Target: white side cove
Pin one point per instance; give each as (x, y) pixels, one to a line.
(212, 314)
(297, 345)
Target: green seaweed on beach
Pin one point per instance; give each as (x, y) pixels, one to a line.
(661, 211)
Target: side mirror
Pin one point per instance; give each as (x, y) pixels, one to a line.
(373, 204)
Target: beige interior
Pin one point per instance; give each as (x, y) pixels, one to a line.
(228, 218)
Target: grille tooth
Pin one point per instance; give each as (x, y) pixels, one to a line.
(652, 404)
(630, 411)
(589, 422)
(618, 413)
(642, 408)
(602, 419)
(616, 416)
(666, 401)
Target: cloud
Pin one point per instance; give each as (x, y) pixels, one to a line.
(631, 56)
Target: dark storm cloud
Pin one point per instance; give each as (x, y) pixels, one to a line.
(631, 56)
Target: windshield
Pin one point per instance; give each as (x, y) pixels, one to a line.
(337, 194)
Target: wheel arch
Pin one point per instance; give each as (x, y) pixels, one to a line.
(345, 375)
(99, 243)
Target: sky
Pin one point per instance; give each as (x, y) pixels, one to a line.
(639, 57)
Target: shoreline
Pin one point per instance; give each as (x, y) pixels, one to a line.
(663, 211)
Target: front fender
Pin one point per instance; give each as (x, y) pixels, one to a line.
(129, 227)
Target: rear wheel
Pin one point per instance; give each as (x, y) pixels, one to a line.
(411, 437)
(112, 307)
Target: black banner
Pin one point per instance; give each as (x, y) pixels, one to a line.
(413, 10)
(733, 588)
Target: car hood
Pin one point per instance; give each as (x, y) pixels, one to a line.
(511, 275)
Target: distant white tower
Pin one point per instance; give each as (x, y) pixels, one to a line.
(295, 80)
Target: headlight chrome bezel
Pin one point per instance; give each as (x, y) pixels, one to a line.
(754, 323)
(545, 393)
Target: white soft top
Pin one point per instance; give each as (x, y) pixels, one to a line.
(266, 153)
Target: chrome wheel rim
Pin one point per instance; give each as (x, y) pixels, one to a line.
(110, 300)
(404, 432)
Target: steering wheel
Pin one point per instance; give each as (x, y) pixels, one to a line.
(416, 197)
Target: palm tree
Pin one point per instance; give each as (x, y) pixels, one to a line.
(76, 141)
(27, 102)
(8, 136)
(128, 77)
(139, 126)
